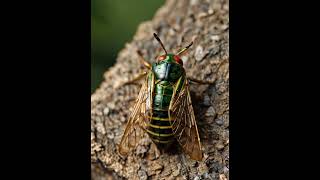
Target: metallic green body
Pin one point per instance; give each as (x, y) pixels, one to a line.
(168, 77)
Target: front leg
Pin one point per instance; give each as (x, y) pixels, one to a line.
(141, 75)
(137, 78)
(143, 61)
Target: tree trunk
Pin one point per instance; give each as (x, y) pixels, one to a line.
(177, 23)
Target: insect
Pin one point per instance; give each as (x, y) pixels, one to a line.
(163, 108)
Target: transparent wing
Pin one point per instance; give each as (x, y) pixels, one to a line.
(137, 120)
(184, 124)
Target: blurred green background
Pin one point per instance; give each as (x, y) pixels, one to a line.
(113, 23)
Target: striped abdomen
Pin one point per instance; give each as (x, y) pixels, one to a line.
(160, 129)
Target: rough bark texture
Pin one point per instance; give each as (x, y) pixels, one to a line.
(177, 23)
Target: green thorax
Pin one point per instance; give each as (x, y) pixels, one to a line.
(163, 91)
(167, 73)
(167, 69)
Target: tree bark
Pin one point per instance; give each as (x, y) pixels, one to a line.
(177, 23)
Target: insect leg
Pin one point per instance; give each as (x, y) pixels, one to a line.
(143, 61)
(133, 81)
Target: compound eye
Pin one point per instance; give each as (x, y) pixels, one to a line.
(178, 59)
(163, 57)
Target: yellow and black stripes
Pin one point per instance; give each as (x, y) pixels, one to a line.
(160, 129)
(160, 126)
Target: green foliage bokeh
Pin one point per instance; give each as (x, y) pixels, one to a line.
(113, 22)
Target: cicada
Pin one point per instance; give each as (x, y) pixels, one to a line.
(163, 108)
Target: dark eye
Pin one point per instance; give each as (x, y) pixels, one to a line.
(162, 57)
(178, 59)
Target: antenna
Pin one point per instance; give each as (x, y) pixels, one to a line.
(184, 49)
(158, 39)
